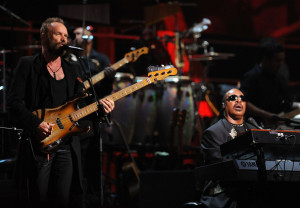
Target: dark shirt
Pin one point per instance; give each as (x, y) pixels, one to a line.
(60, 90)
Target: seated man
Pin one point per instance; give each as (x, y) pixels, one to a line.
(231, 123)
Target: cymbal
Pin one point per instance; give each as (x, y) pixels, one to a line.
(210, 56)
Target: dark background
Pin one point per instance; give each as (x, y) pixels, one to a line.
(237, 26)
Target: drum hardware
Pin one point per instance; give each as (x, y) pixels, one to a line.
(195, 46)
(18, 131)
(211, 56)
(179, 50)
(7, 149)
(177, 120)
(211, 105)
(198, 28)
(131, 173)
(201, 89)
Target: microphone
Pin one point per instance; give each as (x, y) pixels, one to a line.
(253, 122)
(72, 48)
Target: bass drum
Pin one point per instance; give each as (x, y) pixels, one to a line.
(124, 111)
(175, 92)
(145, 114)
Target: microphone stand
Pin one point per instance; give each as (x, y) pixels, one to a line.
(100, 111)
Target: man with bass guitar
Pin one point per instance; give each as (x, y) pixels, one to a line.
(47, 81)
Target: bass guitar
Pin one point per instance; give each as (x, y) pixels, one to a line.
(129, 57)
(65, 118)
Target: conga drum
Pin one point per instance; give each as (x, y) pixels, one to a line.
(175, 92)
(145, 114)
(124, 112)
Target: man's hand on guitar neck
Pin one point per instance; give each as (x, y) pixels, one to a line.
(44, 129)
(109, 72)
(108, 105)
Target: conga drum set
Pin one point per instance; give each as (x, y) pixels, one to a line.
(146, 115)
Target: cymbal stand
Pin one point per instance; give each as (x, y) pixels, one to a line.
(202, 84)
(201, 89)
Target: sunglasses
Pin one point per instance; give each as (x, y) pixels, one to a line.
(235, 97)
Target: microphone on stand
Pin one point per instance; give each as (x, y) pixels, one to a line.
(254, 123)
(72, 48)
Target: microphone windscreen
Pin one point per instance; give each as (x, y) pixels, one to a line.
(72, 48)
(253, 122)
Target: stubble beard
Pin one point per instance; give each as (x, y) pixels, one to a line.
(55, 49)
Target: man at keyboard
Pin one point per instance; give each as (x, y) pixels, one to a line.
(231, 123)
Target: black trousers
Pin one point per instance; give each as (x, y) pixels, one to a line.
(50, 183)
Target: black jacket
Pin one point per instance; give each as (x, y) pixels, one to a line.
(30, 89)
(213, 138)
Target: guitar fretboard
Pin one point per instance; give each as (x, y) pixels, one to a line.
(98, 77)
(85, 111)
(132, 56)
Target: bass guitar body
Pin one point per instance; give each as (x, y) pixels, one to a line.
(65, 126)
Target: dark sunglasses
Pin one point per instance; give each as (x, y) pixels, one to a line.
(235, 97)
